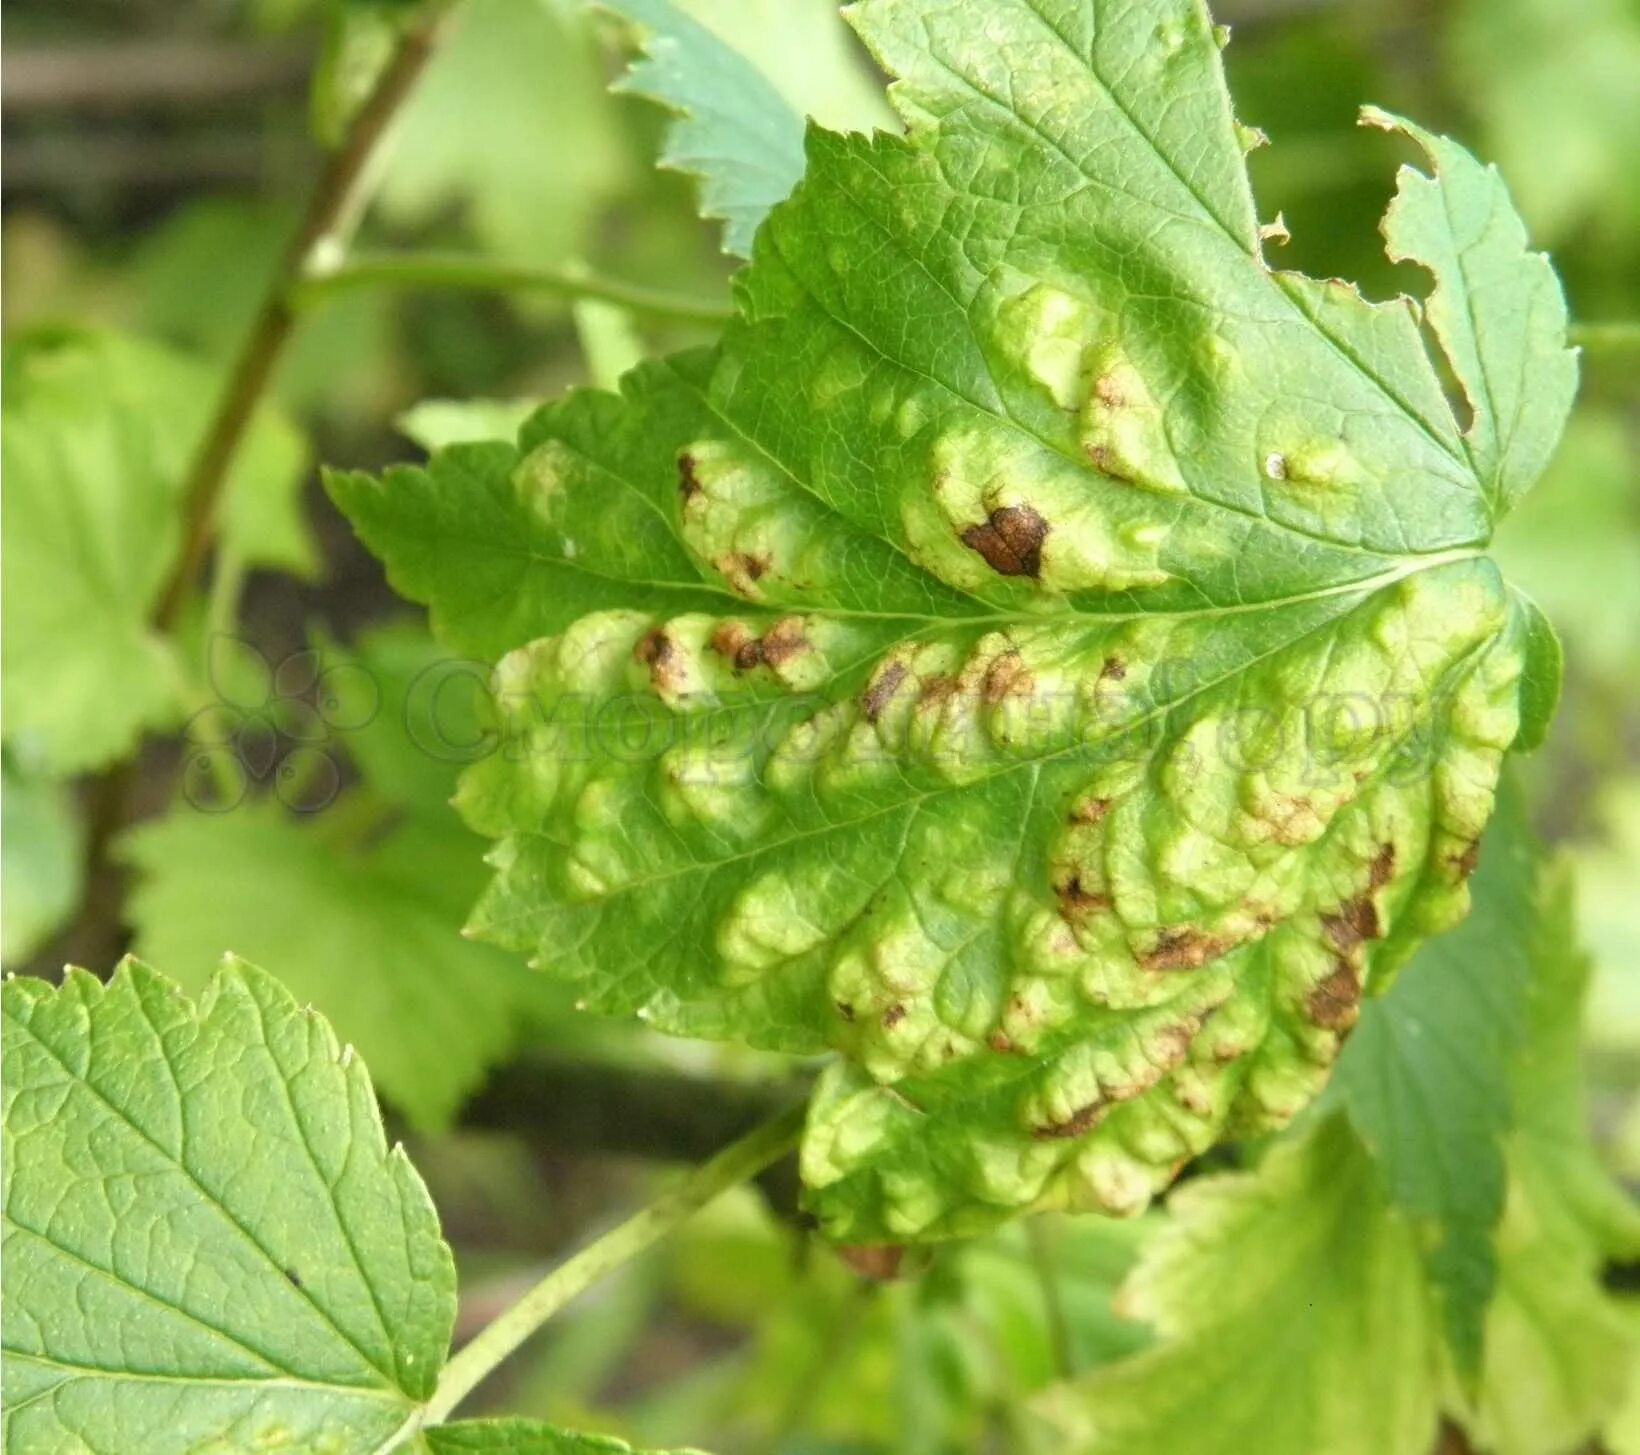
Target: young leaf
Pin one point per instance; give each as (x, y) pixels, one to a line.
(1042, 654)
(99, 432)
(731, 128)
(1426, 1078)
(208, 1242)
(377, 882)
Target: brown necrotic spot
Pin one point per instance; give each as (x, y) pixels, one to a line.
(893, 1016)
(1007, 676)
(1077, 902)
(1335, 1002)
(657, 651)
(1383, 867)
(784, 640)
(881, 690)
(1183, 948)
(1081, 1121)
(880, 1262)
(1466, 862)
(1113, 669)
(1352, 924)
(1105, 462)
(1090, 810)
(1002, 1043)
(688, 481)
(845, 1010)
(1010, 541)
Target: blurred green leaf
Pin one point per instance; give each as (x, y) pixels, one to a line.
(435, 424)
(358, 903)
(41, 862)
(100, 429)
(510, 129)
(518, 1437)
(1574, 544)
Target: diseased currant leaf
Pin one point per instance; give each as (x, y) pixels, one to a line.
(731, 129)
(1426, 1077)
(208, 1242)
(1277, 1280)
(99, 432)
(519, 1437)
(1042, 653)
(356, 905)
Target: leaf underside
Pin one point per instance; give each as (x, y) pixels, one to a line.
(1042, 653)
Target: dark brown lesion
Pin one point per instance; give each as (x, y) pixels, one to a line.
(1078, 1123)
(657, 651)
(1183, 947)
(1352, 924)
(881, 690)
(1010, 540)
(1465, 864)
(689, 485)
(1105, 462)
(1007, 676)
(1077, 902)
(1335, 1003)
(893, 1016)
(879, 1263)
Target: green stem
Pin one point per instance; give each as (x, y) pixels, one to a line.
(465, 273)
(1607, 338)
(735, 1164)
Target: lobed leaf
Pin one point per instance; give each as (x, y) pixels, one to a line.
(1042, 653)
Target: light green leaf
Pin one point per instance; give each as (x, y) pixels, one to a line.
(1552, 81)
(41, 863)
(1293, 1315)
(1575, 543)
(1042, 654)
(357, 905)
(1560, 1350)
(99, 432)
(1426, 1077)
(208, 1243)
(732, 129)
(519, 1437)
(530, 168)
(436, 424)
(1497, 308)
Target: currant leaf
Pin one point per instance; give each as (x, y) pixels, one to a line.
(1042, 653)
(208, 1242)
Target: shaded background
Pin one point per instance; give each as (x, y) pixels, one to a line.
(155, 153)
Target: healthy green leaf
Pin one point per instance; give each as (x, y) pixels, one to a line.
(732, 130)
(99, 432)
(1042, 654)
(1426, 1077)
(208, 1243)
(355, 906)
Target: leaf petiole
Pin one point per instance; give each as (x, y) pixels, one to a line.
(736, 1163)
(461, 272)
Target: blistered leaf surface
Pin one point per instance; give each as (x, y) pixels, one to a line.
(208, 1243)
(1042, 654)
